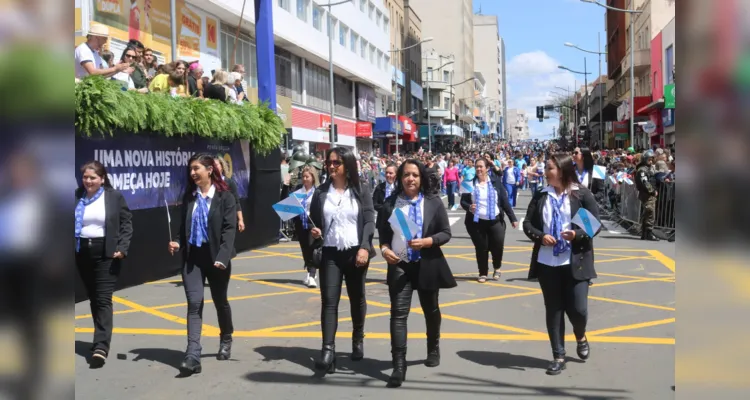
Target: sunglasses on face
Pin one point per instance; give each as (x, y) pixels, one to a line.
(129, 55)
(575, 153)
(334, 163)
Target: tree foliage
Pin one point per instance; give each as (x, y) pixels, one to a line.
(103, 108)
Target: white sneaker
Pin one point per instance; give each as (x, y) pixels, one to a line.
(306, 281)
(311, 283)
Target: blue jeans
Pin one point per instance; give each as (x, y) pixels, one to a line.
(533, 186)
(451, 188)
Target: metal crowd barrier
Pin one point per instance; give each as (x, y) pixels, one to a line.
(621, 204)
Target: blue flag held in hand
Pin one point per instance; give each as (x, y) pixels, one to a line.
(587, 222)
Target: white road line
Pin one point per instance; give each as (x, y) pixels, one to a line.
(453, 220)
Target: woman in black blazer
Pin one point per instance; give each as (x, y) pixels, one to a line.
(584, 168)
(343, 214)
(416, 264)
(103, 230)
(384, 189)
(484, 220)
(563, 255)
(208, 224)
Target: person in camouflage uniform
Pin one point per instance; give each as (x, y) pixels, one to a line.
(647, 193)
(300, 159)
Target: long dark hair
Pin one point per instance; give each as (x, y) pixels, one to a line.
(122, 57)
(207, 161)
(99, 170)
(588, 159)
(424, 181)
(564, 163)
(350, 165)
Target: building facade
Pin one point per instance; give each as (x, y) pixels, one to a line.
(488, 62)
(503, 126)
(450, 24)
(518, 125)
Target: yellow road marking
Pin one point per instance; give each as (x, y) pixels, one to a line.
(157, 313)
(253, 257)
(485, 299)
(273, 253)
(631, 276)
(659, 256)
(491, 325)
(621, 259)
(386, 335)
(632, 303)
(502, 285)
(598, 284)
(631, 326)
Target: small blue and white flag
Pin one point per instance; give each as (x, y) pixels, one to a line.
(403, 225)
(599, 172)
(587, 222)
(627, 180)
(612, 178)
(466, 187)
(289, 208)
(620, 176)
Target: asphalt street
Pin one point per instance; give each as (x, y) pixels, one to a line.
(494, 342)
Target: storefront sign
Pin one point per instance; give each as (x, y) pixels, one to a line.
(669, 96)
(364, 130)
(416, 90)
(667, 117)
(649, 127)
(365, 103)
(151, 169)
(397, 76)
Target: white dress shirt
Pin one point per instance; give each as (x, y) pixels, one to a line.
(94, 216)
(208, 197)
(479, 197)
(341, 210)
(586, 177)
(398, 242)
(546, 255)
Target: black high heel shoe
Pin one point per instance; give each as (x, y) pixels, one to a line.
(225, 349)
(327, 361)
(358, 346)
(583, 349)
(398, 376)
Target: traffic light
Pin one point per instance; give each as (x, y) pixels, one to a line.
(540, 113)
(334, 137)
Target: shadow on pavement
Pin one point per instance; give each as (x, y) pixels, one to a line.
(304, 357)
(507, 360)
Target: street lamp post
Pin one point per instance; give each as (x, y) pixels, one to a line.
(601, 92)
(331, 135)
(585, 73)
(395, 91)
(632, 62)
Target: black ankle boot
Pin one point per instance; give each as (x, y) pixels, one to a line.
(398, 376)
(556, 366)
(358, 345)
(190, 365)
(583, 349)
(327, 361)
(225, 348)
(433, 354)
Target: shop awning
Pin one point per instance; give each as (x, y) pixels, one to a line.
(654, 105)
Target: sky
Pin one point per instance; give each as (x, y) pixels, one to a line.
(534, 32)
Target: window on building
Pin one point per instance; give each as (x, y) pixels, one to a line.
(372, 54)
(317, 17)
(363, 5)
(302, 7)
(318, 87)
(669, 63)
(343, 34)
(446, 76)
(245, 53)
(386, 25)
(331, 25)
(378, 17)
(386, 62)
(429, 73)
(353, 42)
(372, 11)
(297, 79)
(284, 4)
(380, 59)
(447, 103)
(363, 48)
(283, 64)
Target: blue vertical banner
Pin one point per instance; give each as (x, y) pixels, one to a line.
(264, 51)
(150, 169)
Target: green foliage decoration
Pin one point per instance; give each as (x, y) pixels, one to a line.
(103, 108)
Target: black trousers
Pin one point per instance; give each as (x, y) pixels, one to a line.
(487, 237)
(403, 279)
(99, 274)
(199, 267)
(339, 266)
(305, 245)
(563, 294)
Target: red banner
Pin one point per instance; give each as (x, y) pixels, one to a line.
(364, 129)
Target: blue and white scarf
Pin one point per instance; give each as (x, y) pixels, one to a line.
(199, 228)
(491, 198)
(79, 214)
(415, 214)
(582, 176)
(388, 189)
(561, 246)
(304, 216)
